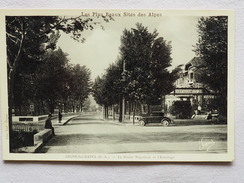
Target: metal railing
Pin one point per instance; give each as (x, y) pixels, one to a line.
(27, 127)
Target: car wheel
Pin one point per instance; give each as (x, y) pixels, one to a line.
(142, 123)
(165, 122)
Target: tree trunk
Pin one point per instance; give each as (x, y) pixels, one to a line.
(73, 106)
(20, 109)
(10, 105)
(81, 107)
(106, 112)
(43, 108)
(103, 112)
(113, 114)
(12, 66)
(129, 108)
(125, 105)
(120, 110)
(38, 108)
(148, 109)
(52, 105)
(134, 111)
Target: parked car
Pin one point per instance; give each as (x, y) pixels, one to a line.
(155, 117)
(214, 116)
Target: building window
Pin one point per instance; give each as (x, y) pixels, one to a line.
(191, 75)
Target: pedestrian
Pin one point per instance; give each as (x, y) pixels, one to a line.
(48, 123)
(209, 115)
(199, 108)
(60, 117)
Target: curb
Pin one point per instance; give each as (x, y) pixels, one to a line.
(65, 121)
(36, 148)
(69, 120)
(31, 149)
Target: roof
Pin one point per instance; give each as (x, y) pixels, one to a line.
(195, 62)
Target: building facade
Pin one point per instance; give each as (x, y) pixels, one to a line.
(188, 88)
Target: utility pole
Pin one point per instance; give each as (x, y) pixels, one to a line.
(123, 97)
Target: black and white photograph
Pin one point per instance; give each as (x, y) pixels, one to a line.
(117, 85)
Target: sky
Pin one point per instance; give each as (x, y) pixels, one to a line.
(102, 46)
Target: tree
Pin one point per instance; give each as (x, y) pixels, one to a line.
(80, 85)
(31, 36)
(100, 93)
(107, 89)
(212, 48)
(87, 105)
(147, 58)
(140, 75)
(53, 80)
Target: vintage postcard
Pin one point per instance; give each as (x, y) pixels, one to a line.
(117, 85)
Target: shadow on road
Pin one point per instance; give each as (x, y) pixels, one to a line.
(82, 139)
(85, 118)
(177, 124)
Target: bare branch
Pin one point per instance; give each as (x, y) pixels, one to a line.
(20, 46)
(10, 36)
(9, 64)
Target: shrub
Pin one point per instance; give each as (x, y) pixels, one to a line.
(181, 109)
(20, 139)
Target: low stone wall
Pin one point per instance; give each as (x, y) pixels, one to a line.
(43, 136)
(39, 140)
(27, 126)
(29, 118)
(36, 119)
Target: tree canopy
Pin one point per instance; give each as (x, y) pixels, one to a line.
(28, 39)
(212, 47)
(54, 82)
(141, 74)
(147, 57)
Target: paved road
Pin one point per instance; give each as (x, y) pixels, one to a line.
(89, 134)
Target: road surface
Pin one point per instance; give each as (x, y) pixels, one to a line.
(89, 134)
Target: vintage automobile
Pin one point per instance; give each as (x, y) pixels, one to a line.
(155, 117)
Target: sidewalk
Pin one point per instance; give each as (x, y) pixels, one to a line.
(55, 122)
(65, 119)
